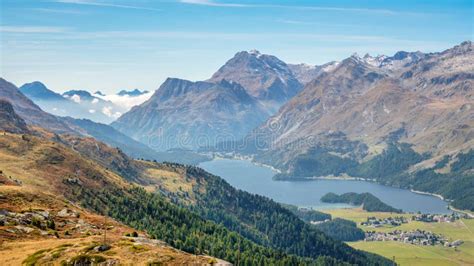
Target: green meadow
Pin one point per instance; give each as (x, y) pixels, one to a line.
(408, 254)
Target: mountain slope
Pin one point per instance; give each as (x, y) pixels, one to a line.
(39, 228)
(9, 120)
(114, 138)
(265, 77)
(185, 114)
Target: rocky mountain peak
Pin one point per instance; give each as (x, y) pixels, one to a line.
(175, 87)
(464, 47)
(255, 52)
(263, 76)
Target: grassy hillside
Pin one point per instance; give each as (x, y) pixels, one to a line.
(188, 212)
(36, 229)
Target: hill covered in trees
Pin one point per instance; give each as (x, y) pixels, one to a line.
(368, 201)
(342, 229)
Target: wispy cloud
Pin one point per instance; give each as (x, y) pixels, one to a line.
(213, 3)
(295, 22)
(58, 11)
(316, 8)
(104, 4)
(305, 23)
(32, 29)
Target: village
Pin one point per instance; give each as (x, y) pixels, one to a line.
(426, 218)
(415, 237)
(391, 221)
(439, 218)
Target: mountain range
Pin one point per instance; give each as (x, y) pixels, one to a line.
(342, 117)
(82, 104)
(393, 119)
(423, 99)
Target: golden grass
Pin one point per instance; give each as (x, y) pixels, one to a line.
(170, 181)
(54, 251)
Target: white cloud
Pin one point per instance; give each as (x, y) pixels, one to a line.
(92, 111)
(76, 98)
(108, 111)
(32, 29)
(126, 102)
(95, 101)
(104, 4)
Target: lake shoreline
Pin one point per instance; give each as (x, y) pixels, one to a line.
(219, 156)
(428, 193)
(246, 174)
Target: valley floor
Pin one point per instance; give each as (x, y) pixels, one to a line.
(409, 254)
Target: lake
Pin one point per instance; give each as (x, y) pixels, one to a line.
(258, 180)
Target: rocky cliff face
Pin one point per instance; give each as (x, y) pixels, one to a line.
(185, 114)
(264, 77)
(9, 120)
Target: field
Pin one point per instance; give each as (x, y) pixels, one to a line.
(408, 254)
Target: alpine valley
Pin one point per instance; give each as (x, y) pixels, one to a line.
(95, 179)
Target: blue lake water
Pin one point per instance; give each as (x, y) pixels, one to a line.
(258, 180)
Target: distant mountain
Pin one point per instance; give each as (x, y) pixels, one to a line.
(96, 108)
(306, 73)
(38, 91)
(264, 77)
(77, 104)
(9, 120)
(185, 114)
(99, 93)
(133, 93)
(84, 95)
(33, 115)
(30, 112)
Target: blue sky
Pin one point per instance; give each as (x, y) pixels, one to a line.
(111, 45)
